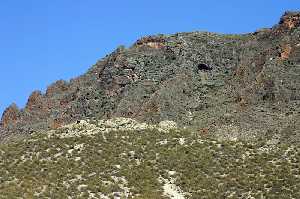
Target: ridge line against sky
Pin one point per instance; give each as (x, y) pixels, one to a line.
(44, 41)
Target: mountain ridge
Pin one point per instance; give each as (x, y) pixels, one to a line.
(205, 80)
(183, 116)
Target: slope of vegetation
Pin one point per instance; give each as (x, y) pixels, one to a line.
(145, 163)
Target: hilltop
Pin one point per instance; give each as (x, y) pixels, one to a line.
(248, 84)
(189, 115)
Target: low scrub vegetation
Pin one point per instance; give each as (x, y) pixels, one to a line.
(131, 164)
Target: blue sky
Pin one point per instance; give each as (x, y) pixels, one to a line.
(43, 41)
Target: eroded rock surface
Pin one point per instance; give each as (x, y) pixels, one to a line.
(253, 77)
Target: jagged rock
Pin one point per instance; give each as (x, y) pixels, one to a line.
(10, 115)
(192, 79)
(286, 51)
(35, 101)
(157, 42)
(290, 20)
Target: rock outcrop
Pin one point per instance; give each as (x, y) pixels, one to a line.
(10, 116)
(290, 20)
(194, 79)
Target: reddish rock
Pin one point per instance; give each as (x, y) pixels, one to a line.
(145, 81)
(290, 20)
(285, 52)
(152, 42)
(56, 123)
(35, 101)
(10, 115)
(203, 131)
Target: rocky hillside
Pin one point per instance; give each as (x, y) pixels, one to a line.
(121, 158)
(184, 116)
(247, 85)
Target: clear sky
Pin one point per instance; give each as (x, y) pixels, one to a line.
(43, 41)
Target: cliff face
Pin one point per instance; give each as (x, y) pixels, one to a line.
(249, 83)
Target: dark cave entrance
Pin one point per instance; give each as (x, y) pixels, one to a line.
(204, 67)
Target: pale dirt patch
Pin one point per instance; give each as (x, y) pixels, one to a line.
(171, 190)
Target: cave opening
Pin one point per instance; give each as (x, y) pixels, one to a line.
(204, 67)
